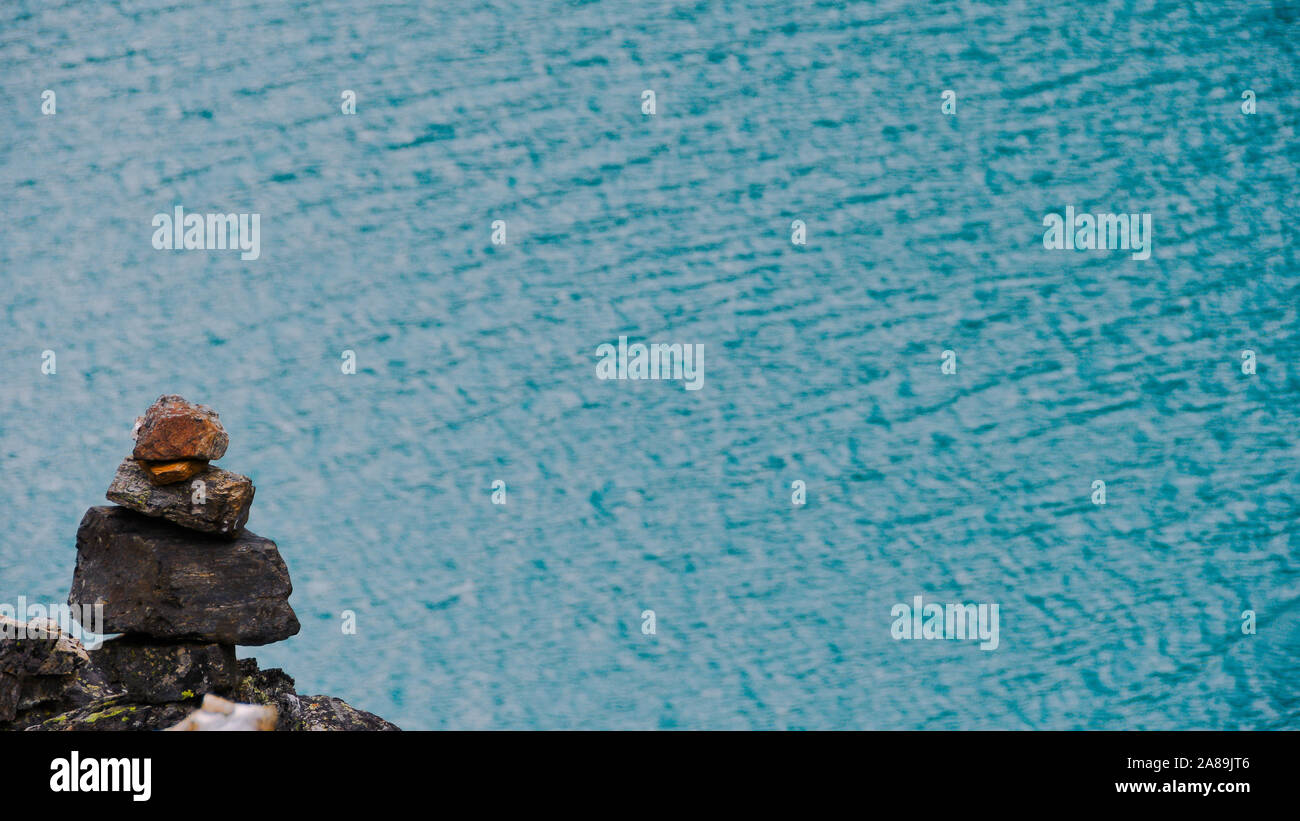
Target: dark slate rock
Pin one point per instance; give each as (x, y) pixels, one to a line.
(160, 580)
(38, 648)
(328, 713)
(44, 697)
(10, 694)
(117, 713)
(158, 673)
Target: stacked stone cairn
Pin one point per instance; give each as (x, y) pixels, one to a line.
(174, 568)
(176, 573)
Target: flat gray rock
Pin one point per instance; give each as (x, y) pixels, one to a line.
(163, 581)
(214, 501)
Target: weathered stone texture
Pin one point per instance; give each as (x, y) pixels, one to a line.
(156, 579)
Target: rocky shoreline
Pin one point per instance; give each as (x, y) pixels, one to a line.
(91, 703)
(172, 570)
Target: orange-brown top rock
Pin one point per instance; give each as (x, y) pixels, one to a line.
(174, 429)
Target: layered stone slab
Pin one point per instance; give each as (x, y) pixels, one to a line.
(159, 580)
(214, 501)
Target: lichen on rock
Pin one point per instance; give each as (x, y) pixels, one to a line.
(271, 688)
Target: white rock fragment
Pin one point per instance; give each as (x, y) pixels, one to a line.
(218, 714)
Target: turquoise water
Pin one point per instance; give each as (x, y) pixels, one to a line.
(476, 362)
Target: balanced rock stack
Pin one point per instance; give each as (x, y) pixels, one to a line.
(173, 570)
(168, 475)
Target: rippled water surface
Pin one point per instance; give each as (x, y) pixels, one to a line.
(477, 362)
